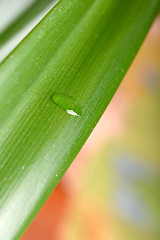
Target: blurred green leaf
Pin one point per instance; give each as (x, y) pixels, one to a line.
(22, 24)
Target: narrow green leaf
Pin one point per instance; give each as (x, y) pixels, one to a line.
(80, 50)
(20, 26)
(30, 13)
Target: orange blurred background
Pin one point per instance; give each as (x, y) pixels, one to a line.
(111, 190)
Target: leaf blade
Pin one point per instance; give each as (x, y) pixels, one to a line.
(84, 58)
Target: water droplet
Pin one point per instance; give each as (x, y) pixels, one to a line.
(71, 112)
(56, 175)
(68, 104)
(22, 167)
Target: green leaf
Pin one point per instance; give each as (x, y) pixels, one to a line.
(21, 24)
(80, 50)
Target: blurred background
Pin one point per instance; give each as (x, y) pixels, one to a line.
(112, 189)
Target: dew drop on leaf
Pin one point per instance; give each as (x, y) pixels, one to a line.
(68, 104)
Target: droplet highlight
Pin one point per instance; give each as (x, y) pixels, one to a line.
(68, 104)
